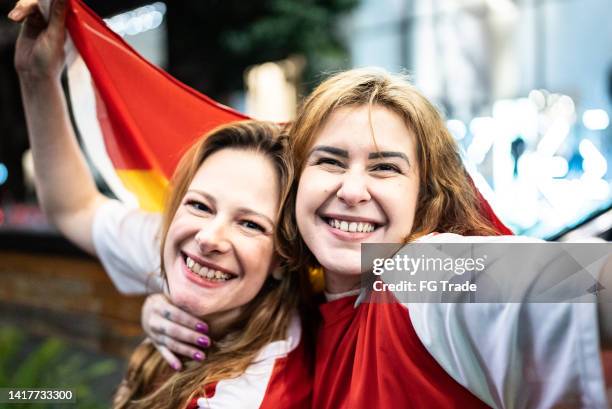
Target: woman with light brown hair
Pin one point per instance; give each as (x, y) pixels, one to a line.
(218, 262)
(375, 163)
(444, 200)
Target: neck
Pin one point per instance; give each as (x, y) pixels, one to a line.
(336, 282)
(219, 323)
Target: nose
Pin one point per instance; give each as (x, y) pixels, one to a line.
(354, 188)
(212, 238)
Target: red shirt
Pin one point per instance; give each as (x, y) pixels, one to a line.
(371, 357)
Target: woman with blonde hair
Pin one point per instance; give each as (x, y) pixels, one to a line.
(217, 250)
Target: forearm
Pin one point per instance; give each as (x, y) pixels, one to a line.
(66, 190)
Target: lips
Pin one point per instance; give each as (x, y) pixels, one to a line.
(206, 270)
(350, 224)
(353, 227)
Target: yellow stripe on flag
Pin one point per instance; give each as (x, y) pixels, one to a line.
(148, 186)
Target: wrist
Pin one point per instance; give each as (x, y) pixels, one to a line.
(37, 83)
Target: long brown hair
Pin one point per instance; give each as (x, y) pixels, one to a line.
(447, 199)
(149, 383)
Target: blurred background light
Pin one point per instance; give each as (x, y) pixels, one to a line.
(554, 137)
(139, 20)
(595, 119)
(558, 167)
(484, 130)
(538, 98)
(566, 106)
(3, 173)
(595, 164)
(457, 128)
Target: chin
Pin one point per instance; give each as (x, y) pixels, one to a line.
(344, 262)
(191, 303)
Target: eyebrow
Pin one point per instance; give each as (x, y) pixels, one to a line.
(246, 210)
(373, 155)
(389, 154)
(330, 149)
(243, 210)
(206, 195)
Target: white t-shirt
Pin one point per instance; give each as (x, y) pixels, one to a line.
(127, 243)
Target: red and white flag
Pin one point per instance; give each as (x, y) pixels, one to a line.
(134, 119)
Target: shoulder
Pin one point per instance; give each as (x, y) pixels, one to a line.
(126, 240)
(473, 342)
(276, 378)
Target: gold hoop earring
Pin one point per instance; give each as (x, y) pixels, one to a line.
(317, 279)
(277, 274)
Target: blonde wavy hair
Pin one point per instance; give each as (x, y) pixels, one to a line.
(149, 383)
(447, 201)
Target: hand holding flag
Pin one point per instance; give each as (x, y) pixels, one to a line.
(39, 52)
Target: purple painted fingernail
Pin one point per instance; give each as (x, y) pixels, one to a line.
(201, 327)
(203, 341)
(198, 356)
(176, 367)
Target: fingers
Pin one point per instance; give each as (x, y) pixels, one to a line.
(169, 357)
(170, 334)
(57, 20)
(33, 25)
(175, 314)
(178, 347)
(28, 11)
(159, 304)
(170, 327)
(23, 9)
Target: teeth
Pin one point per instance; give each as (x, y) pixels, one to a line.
(206, 272)
(352, 227)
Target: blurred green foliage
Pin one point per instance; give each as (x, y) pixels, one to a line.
(50, 364)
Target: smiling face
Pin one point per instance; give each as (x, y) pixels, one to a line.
(356, 188)
(219, 247)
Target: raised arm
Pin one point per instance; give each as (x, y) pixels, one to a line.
(66, 190)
